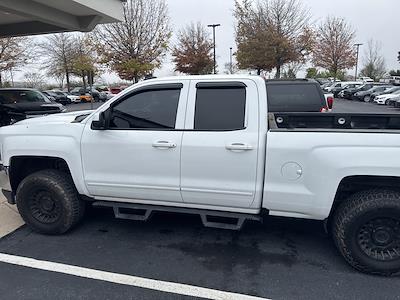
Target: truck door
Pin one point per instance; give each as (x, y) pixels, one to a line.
(220, 144)
(138, 155)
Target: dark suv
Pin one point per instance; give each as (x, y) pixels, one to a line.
(297, 95)
(19, 104)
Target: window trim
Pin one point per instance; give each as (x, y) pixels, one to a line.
(147, 88)
(220, 85)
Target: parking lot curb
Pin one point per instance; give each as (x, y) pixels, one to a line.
(10, 220)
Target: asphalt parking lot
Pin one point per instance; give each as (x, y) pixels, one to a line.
(278, 259)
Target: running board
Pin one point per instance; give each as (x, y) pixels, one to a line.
(209, 218)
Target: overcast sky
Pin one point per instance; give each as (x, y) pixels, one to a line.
(377, 19)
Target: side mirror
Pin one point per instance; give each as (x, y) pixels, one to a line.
(101, 124)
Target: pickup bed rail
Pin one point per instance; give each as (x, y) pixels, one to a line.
(335, 121)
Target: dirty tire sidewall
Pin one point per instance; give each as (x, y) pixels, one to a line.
(63, 194)
(351, 215)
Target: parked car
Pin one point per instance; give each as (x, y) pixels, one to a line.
(366, 95)
(86, 97)
(109, 95)
(396, 101)
(59, 97)
(88, 94)
(366, 79)
(210, 146)
(341, 84)
(388, 91)
(384, 99)
(52, 98)
(323, 81)
(297, 95)
(71, 98)
(349, 93)
(76, 91)
(18, 104)
(336, 91)
(74, 98)
(115, 90)
(325, 85)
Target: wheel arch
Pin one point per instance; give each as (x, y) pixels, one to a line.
(22, 166)
(350, 185)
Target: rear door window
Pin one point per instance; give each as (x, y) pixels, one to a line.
(294, 98)
(220, 108)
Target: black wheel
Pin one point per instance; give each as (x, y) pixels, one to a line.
(366, 230)
(48, 202)
(367, 99)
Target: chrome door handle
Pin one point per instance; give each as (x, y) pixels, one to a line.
(164, 145)
(239, 147)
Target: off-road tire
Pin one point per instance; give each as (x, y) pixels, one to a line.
(355, 216)
(49, 203)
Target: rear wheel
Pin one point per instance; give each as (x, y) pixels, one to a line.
(367, 99)
(366, 230)
(49, 203)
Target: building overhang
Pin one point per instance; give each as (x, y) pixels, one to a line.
(29, 17)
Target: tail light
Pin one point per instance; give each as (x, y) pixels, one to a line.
(330, 100)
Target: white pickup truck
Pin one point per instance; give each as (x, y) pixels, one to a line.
(208, 145)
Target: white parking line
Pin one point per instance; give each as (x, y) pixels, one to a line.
(158, 285)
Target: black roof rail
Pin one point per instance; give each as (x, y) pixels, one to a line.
(290, 79)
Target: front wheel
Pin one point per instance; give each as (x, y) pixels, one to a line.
(48, 202)
(366, 230)
(367, 99)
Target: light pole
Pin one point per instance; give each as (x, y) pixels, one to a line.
(230, 60)
(358, 51)
(215, 60)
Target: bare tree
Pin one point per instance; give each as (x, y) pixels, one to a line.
(34, 80)
(193, 52)
(334, 50)
(374, 62)
(291, 69)
(57, 51)
(136, 46)
(14, 52)
(272, 33)
(230, 69)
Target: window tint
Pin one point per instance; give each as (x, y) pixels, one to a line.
(294, 98)
(220, 108)
(149, 109)
(13, 97)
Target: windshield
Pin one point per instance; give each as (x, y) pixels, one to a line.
(28, 96)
